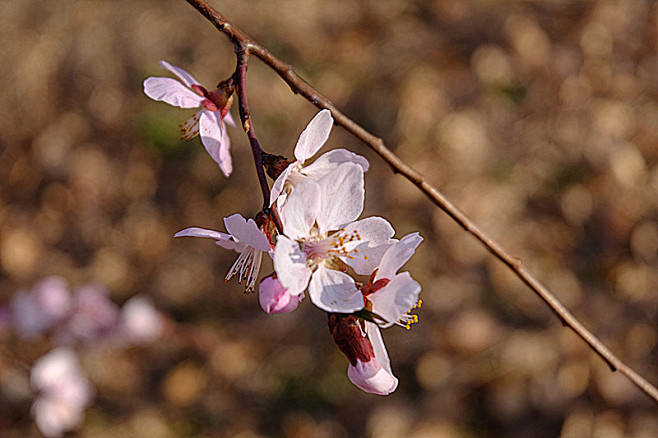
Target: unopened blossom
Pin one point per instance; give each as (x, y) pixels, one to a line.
(361, 342)
(321, 235)
(310, 141)
(63, 392)
(244, 237)
(39, 309)
(275, 298)
(392, 295)
(209, 122)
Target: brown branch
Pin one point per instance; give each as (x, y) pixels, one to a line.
(301, 87)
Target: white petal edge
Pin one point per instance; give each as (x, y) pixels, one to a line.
(301, 209)
(210, 131)
(396, 299)
(397, 255)
(184, 76)
(314, 136)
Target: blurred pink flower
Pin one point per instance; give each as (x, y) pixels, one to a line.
(64, 392)
(208, 123)
(274, 298)
(139, 321)
(39, 309)
(245, 238)
(92, 315)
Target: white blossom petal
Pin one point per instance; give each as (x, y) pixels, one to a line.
(224, 240)
(397, 255)
(290, 265)
(394, 300)
(327, 162)
(210, 130)
(228, 118)
(184, 76)
(334, 291)
(279, 184)
(377, 342)
(342, 195)
(301, 209)
(171, 91)
(314, 136)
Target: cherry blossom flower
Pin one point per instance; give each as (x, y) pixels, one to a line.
(321, 235)
(139, 321)
(274, 298)
(361, 342)
(92, 316)
(209, 122)
(38, 310)
(310, 141)
(64, 392)
(392, 295)
(243, 237)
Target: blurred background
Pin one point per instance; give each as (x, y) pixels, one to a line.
(538, 119)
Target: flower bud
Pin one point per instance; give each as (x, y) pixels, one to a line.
(364, 370)
(274, 298)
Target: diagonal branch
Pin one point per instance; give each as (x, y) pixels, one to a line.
(301, 87)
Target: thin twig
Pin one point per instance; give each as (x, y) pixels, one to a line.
(240, 77)
(301, 87)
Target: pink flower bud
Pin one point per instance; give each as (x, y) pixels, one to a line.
(274, 298)
(371, 377)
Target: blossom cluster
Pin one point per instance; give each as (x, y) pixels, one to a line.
(85, 318)
(320, 247)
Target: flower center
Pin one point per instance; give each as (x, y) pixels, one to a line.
(330, 248)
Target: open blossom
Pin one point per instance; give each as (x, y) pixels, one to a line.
(64, 392)
(243, 237)
(310, 141)
(361, 342)
(390, 294)
(209, 122)
(321, 234)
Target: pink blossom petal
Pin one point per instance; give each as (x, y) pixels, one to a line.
(329, 161)
(171, 91)
(228, 118)
(334, 291)
(372, 378)
(314, 136)
(246, 231)
(184, 76)
(397, 255)
(396, 298)
(212, 139)
(290, 265)
(378, 347)
(342, 195)
(275, 298)
(299, 212)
